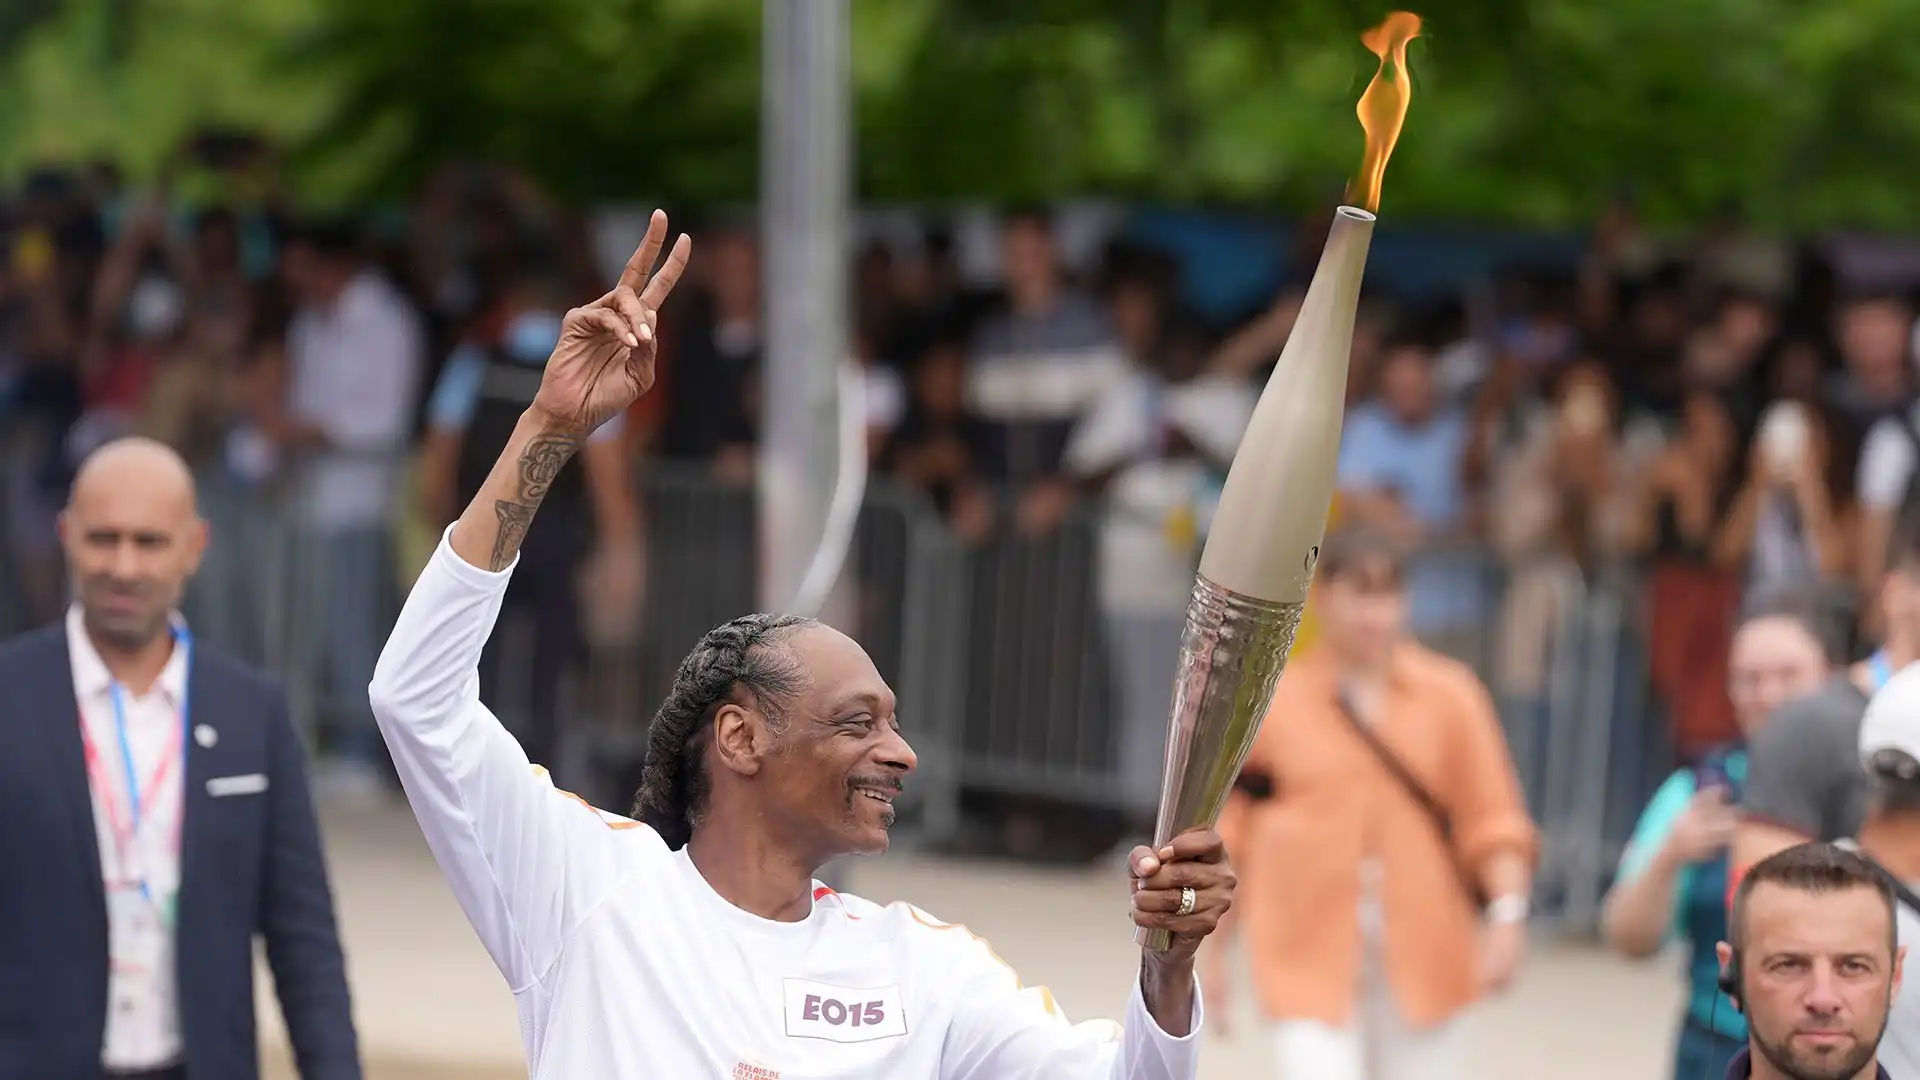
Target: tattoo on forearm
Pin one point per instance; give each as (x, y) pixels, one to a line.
(514, 519)
(539, 463)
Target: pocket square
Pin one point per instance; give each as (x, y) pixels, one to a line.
(244, 784)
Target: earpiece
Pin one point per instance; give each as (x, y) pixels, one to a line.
(1730, 980)
(1730, 988)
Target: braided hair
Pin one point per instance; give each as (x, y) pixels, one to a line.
(734, 658)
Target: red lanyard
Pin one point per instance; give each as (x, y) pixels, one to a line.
(125, 829)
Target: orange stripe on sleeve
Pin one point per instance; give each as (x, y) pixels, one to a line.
(616, 825)
(928, 921)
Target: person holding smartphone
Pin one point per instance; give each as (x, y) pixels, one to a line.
(1673, 877)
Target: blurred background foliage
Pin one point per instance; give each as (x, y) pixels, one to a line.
(1796, 114)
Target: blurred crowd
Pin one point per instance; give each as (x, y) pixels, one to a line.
(1713, 415)
(1602, 471)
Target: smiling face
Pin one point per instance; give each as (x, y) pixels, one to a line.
(828, 767)
(1818, 973)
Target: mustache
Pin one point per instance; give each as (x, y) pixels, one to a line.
(890, 784)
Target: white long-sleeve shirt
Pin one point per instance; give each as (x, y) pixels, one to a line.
(625, 963)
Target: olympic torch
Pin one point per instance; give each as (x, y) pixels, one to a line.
(1260, 552)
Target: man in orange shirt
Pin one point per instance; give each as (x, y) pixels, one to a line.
(1384, 851)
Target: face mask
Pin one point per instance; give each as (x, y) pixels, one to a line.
(154, 309)
(532, 336)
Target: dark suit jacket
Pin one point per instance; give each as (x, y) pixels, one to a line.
(250, 864)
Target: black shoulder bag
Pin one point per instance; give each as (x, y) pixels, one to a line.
(1442, 820)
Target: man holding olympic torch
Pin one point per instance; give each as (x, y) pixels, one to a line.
(693, 939)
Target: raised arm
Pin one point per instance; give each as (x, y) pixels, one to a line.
(602, 364)
(525, 860)
(1679, 827)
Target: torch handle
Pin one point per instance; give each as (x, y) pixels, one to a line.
(1231, 654)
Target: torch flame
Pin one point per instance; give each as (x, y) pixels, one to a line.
(1383, 108)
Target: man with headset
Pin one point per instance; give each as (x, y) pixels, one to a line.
(1814, 964)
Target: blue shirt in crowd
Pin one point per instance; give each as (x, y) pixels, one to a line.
(1421, 464)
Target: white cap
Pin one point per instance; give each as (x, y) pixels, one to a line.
(1892, 721)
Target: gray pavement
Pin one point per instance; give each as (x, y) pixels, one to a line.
(431, 1007)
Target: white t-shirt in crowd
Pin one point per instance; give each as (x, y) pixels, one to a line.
(1157, 508)
(1886, 464)
(355, 371)
(885, 398)
(625, 964)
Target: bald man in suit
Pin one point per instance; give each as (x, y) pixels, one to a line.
(154, 819)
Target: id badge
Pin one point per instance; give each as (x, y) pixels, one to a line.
(137, 933)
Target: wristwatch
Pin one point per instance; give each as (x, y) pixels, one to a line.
(1511, 908)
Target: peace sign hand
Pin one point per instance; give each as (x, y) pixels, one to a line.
(605, 357)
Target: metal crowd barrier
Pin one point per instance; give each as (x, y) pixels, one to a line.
(1586, 741)
(295, 584)
(1040, 718)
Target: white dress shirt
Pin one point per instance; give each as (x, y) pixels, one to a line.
(143, 1018)
(627, 965)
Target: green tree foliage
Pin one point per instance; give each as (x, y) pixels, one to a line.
(127, 80)
(1801, 114)
(599, 98)
(21, 16)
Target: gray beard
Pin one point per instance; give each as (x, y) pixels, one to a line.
(1844, 1069)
